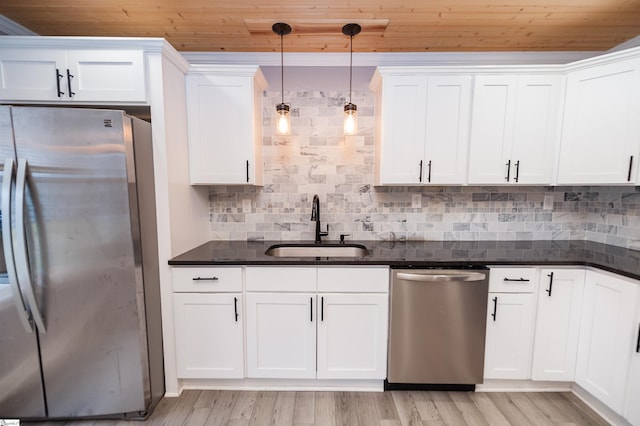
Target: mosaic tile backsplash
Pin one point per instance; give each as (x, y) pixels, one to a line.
(317, 159)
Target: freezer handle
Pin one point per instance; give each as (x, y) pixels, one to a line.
(22, 260)
(442, 276)
(7, 181)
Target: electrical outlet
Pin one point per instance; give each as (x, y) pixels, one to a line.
(416, 201)
(548, 202)
(246, 206)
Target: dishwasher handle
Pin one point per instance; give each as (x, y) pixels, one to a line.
(442, 276)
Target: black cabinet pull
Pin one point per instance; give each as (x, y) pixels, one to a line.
(205, 279)
(69, 77)
(638, 342)
(495, 308)
(420, 177)
(247, 170)
(322, 309)
(550, 283)
(630, 167)
(235, 307)
(58, 77)
(517, 280)
(311, 307)
(517, 171)
(429, 176)
(508, 170)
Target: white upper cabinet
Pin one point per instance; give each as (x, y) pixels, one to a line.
(514, 129)
(601, 131)
(422, 128)
(79, 76)
(224, 106)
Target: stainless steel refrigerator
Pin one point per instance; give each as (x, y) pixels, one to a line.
(80, 332)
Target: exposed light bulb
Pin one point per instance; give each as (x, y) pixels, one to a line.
(350, 119)
(283, 124)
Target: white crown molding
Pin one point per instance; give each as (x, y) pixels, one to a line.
(388, 59)
(9, 27)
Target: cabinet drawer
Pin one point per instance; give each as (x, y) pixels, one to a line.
(281, 279)
(512, 280)
(202, 280)
(360, 280)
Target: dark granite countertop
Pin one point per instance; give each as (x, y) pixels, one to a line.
(429, 254)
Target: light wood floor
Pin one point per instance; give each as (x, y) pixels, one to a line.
(393, 408)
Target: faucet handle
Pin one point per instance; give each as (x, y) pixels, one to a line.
(342, 237)
(324, 234)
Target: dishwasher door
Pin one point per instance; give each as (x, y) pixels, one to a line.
(437, 327)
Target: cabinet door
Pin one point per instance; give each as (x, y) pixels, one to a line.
(209, 335)
(509, 336)
(352, 336)
(601, 128)
(535, 133)
(281, 335)
(402, 110)
(492, 129)
(557, 325)
(632, 412)
(606, 337)
(106, 76)
(221, 130)
(32, 75)
(447, 130)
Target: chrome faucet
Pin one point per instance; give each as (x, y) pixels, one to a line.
(315, 215)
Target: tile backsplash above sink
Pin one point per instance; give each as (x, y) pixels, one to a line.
(317, 159)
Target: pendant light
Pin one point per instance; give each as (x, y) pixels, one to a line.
(351, 109)
(283, 120)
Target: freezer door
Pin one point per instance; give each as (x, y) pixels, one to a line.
(20, 384)
(83, 257)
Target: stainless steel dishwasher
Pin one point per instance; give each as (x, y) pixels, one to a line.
(437, 328)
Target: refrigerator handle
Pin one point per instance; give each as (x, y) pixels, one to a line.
(7, 181)
(22, 261)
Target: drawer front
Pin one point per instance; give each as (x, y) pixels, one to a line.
(353, 280)
(512, 280)
(278, 278)
(207, 279)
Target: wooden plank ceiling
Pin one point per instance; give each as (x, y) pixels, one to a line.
(388, 25)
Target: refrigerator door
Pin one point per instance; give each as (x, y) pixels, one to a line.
(82, 257)
(20, 382)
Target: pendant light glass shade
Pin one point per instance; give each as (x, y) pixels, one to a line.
(283, 119)
(351, 109)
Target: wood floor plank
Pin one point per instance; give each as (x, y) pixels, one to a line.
(222, 408)
(263, 410)
(198, 416)
(161, 411)
(384, 406)
(304, 409)
(345, 409)
(448, 410)
(537, 417)
(182, 409)
(325, 409)
(469, 410)
(283, 409)
(243, 408)
(206, 399)
(508, 409)
(490, 412)
(426, 407)
(406, 407)
(575, 405)
(555, 414)
(366, 409)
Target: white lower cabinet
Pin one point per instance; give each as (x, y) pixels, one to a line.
(209, 340)
(557, 324)
(607, 337)
(338, 317)
(281, 335)
(509, 336)
(632, 410)
(352, 336)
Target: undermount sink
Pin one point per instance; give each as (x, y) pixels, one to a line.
(317, 250)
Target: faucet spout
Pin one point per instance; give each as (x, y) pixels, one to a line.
(315, 216)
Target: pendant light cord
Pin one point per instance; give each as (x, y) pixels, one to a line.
(350, 67)
(282, 67)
